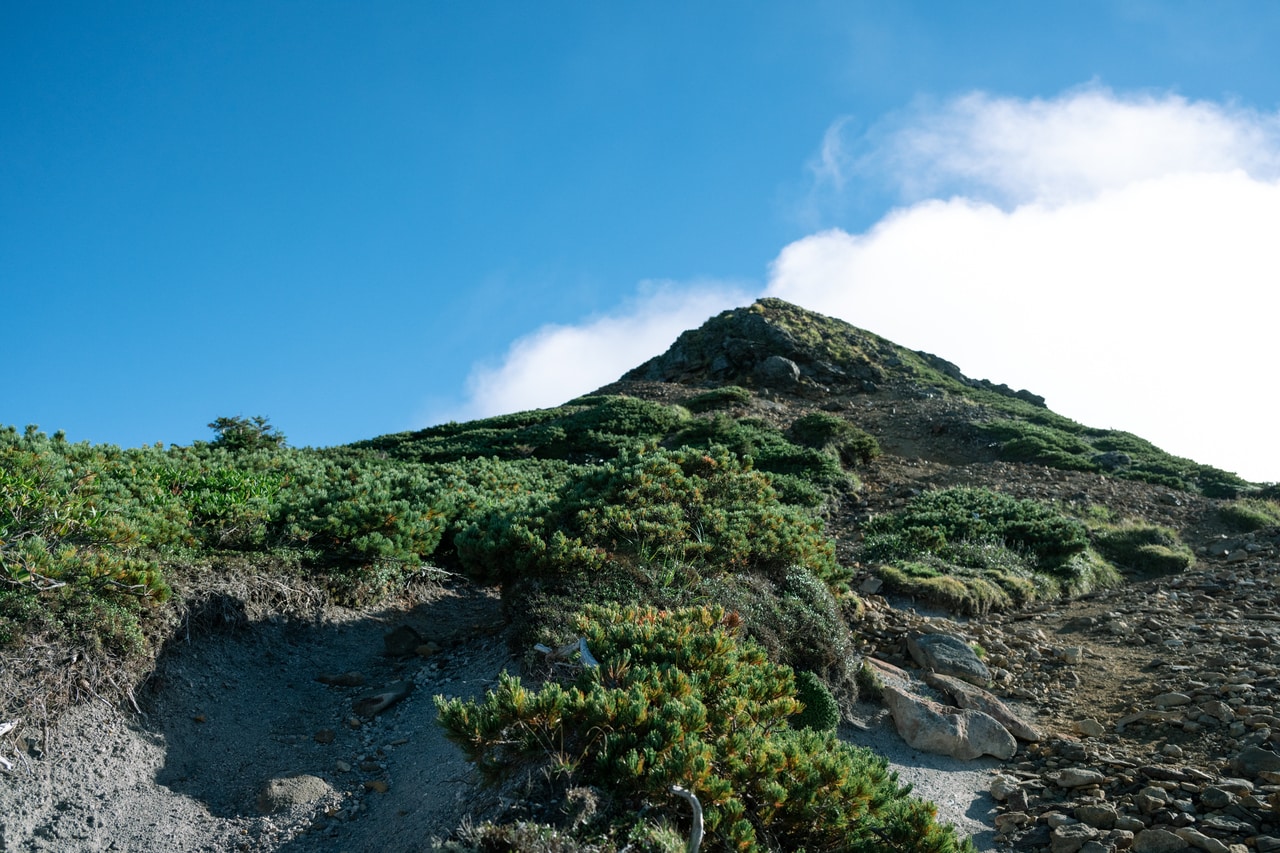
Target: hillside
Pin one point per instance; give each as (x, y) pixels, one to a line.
(776, 481)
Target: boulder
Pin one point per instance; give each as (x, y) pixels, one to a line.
(959, 733)
(975, 698)
(948, 655)
(777, 371)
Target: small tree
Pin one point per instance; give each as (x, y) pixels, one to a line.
(255, 433)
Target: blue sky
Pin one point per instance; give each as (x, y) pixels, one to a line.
(360, 218)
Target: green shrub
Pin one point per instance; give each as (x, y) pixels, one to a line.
(238, 434)
(802, 475)
(823, 431)
(718, 398)
(1250, 514)
(75, 565)
(678, 699)
(821, 712)
(1144, 548)
(935, 519)
(973, 551)
(367, 525)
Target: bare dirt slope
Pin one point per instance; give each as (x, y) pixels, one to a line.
(227, 712)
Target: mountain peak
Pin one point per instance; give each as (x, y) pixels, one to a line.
(777, 345)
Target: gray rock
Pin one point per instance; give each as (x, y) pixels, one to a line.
(1157, 841)
(778, 372)
(1200, 841)
(1078, 777)
(1070, 838)
(975, 698)
(1214, 797)
(375, 703)
(948, 655)
(1112, 459)
(1253, 759)
(1097, 815)
(930, 727)
(284, 792)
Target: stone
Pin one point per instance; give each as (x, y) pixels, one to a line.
(1070, 838)
(778, 372)
(1097, 815)
(1078, 777)
(1157, 841)
(975, 698)
(284, 792)
(1170, 700)
(401, 641)
(1253, 759)
(375, 703)
(948, 655)
(1089, 727)
(1200, 841)
(930, 727)
(1214, 797)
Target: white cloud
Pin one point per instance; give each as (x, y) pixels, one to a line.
(1058, 150)
(556, 363)
(1131, 278)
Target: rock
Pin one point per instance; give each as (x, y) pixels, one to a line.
(929, 727)
(975, 698)
(1200, 841)
(375, 703)
(1157, 841)
(401, 641)
(1002, 786)
(1252, 760)
(1112, 460)
(1097, 815)
(1169, 700)
(1078, 777)
(284, 792)
(1089, 728)
(1214, 797)
(325, 736)
(948, 655)
(1070, 838)
(778, 372)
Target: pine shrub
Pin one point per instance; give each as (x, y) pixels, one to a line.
(679, 698)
